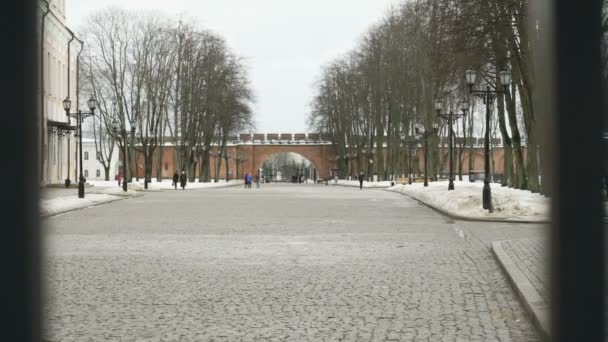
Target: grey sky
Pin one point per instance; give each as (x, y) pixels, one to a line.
(284, 42)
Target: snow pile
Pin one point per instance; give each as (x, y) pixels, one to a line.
(366, 184)
(164, 185)
(466, 201)
(116, 191)
(66, 203)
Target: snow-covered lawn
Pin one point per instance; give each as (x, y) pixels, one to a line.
(164, 185)
(466, 201)
(366, 184)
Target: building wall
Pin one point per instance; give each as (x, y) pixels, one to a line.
(55, 65)
(91, 164)
(322, 157)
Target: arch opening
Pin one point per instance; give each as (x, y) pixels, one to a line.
(288, 167)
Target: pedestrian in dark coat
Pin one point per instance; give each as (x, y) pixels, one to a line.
(249, 180)
(183, 180)
(361, 178)
(175, 179)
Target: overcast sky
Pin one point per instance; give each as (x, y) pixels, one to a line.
(284, 43)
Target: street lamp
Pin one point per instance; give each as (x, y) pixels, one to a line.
(413, 150)
(80, 116)
(488, 95)
(412, 145)
(425, 134)
(116, 127)
(451, 117)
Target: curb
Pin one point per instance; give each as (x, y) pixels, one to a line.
(120, 198)
(469, 219)
(195, 189)
(364, 187)
(533, 302)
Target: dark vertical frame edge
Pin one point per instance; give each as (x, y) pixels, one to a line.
(21, 187)
(577, 233)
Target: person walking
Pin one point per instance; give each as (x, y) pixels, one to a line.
(361, 178)
(249, 180)
(257, 180)
(245, 178)
(183, 179)
(175, 179)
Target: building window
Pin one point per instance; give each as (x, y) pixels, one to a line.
(86, 156)
(86, 173)
(97, 173)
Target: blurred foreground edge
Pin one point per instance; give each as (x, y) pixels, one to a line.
(19, 209)
(573, 114)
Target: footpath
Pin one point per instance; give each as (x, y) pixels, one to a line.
(524, 261)
(526, 264)
(55, 201)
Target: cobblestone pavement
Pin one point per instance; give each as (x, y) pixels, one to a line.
(532, 259)
(283, 263)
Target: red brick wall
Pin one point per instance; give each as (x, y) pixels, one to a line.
(322, 157)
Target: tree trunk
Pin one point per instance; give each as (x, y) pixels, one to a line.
(148, 158)
(159, 166)
(532, 166)
(218, 165)
(520, 177)
(506, 141)
(204, 169)
(226, 162)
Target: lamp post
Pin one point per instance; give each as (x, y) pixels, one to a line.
(451, 117)
(488, 95)
(80, 116)
(413, 150)
(123, 134)
(425, 134)
(68, 181)
(412, 145)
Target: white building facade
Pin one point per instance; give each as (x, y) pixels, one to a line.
(58, 81)
(92, 168)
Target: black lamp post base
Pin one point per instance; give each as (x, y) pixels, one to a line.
(451, 185)
(487, 197)
(81, 189)
(426, 182)
(124, 185)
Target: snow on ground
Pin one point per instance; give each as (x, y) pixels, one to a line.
(66, 203)
(164, 185)
(366, 184)
(466, 201)
(102, 192)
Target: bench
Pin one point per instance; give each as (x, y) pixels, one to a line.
(406, 180)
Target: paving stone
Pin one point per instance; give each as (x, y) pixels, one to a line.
(286, 262)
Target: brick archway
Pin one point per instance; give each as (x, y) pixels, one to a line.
(321, 156)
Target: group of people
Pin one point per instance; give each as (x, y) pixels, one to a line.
(181, 178)
(248, 178)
